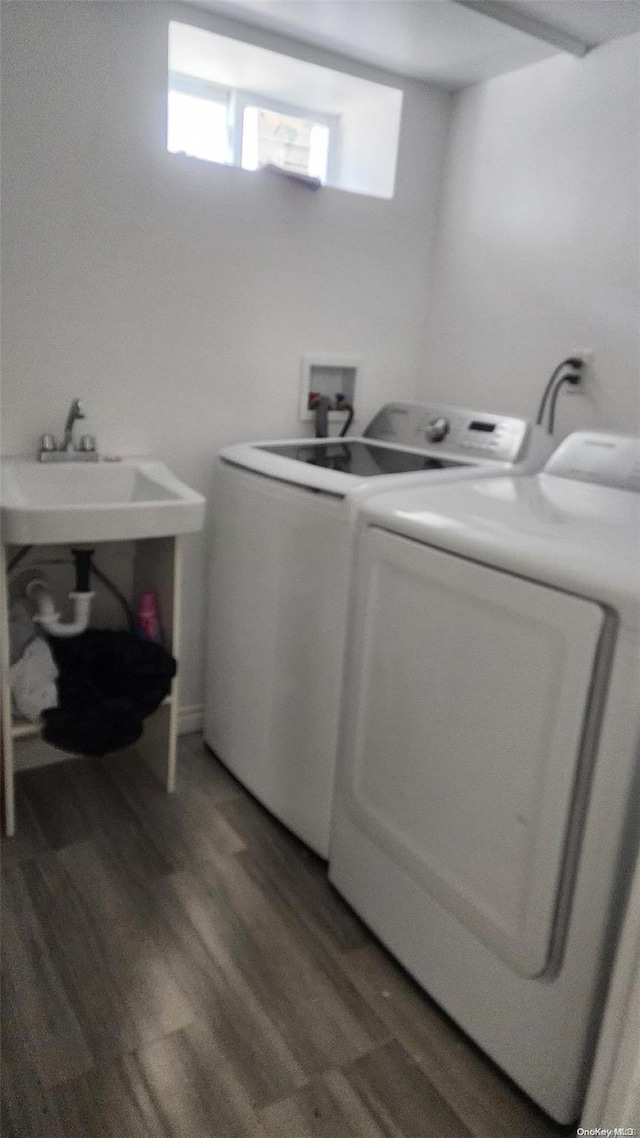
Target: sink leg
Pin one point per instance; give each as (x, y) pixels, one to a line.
(158, 567)
(5, 702)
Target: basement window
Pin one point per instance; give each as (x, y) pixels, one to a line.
(233, 103)
(197, 119)
(291, 140)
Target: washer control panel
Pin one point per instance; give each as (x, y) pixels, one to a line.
(470, 434)
(437, 430)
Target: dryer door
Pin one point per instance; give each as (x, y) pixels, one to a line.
(467, 690)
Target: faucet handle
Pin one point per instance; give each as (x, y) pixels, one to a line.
(48, 443)
(87, 443)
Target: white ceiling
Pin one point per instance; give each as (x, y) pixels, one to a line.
(594, 21)
(448, 42)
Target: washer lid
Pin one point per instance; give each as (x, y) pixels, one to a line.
(577, 536)
(340, 466)
(359, 457)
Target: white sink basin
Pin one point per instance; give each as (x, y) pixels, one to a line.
(58, 503)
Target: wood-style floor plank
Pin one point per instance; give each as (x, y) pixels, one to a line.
(330, 1107)
(381, 1095)
(110, 1102)
(26, 1114)
(194, 1088)
(158, 917)
(51, 794)
(28, 840)
(180, 832)
(42, 1037)
(253, 1042)
(180, 967)
(292, 877)
(199, 772)
(113, 981)
(178, 1087)
(318, 1011)
(399, 1096)
(488, 1103)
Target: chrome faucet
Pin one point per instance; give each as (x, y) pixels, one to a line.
(76, 411)
(67, 452)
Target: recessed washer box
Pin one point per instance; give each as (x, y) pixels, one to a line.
(328, 375)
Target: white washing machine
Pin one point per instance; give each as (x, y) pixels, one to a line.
(486, 798)
(278, 586)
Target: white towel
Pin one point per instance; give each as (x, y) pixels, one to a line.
(33, 681)
(21, 630)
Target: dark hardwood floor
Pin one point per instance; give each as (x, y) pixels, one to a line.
(180, 967)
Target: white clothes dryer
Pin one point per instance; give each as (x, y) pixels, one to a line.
(487, 766)
(278, 586)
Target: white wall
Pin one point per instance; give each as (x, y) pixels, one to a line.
(369, 129)
(538, 252)
(177, 297)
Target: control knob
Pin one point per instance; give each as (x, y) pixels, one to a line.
(436, 430)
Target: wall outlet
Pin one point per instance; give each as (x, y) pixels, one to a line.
(586, 355)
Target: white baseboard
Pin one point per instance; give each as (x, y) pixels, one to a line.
(190, 719)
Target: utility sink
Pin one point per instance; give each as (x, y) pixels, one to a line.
(59, 503)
